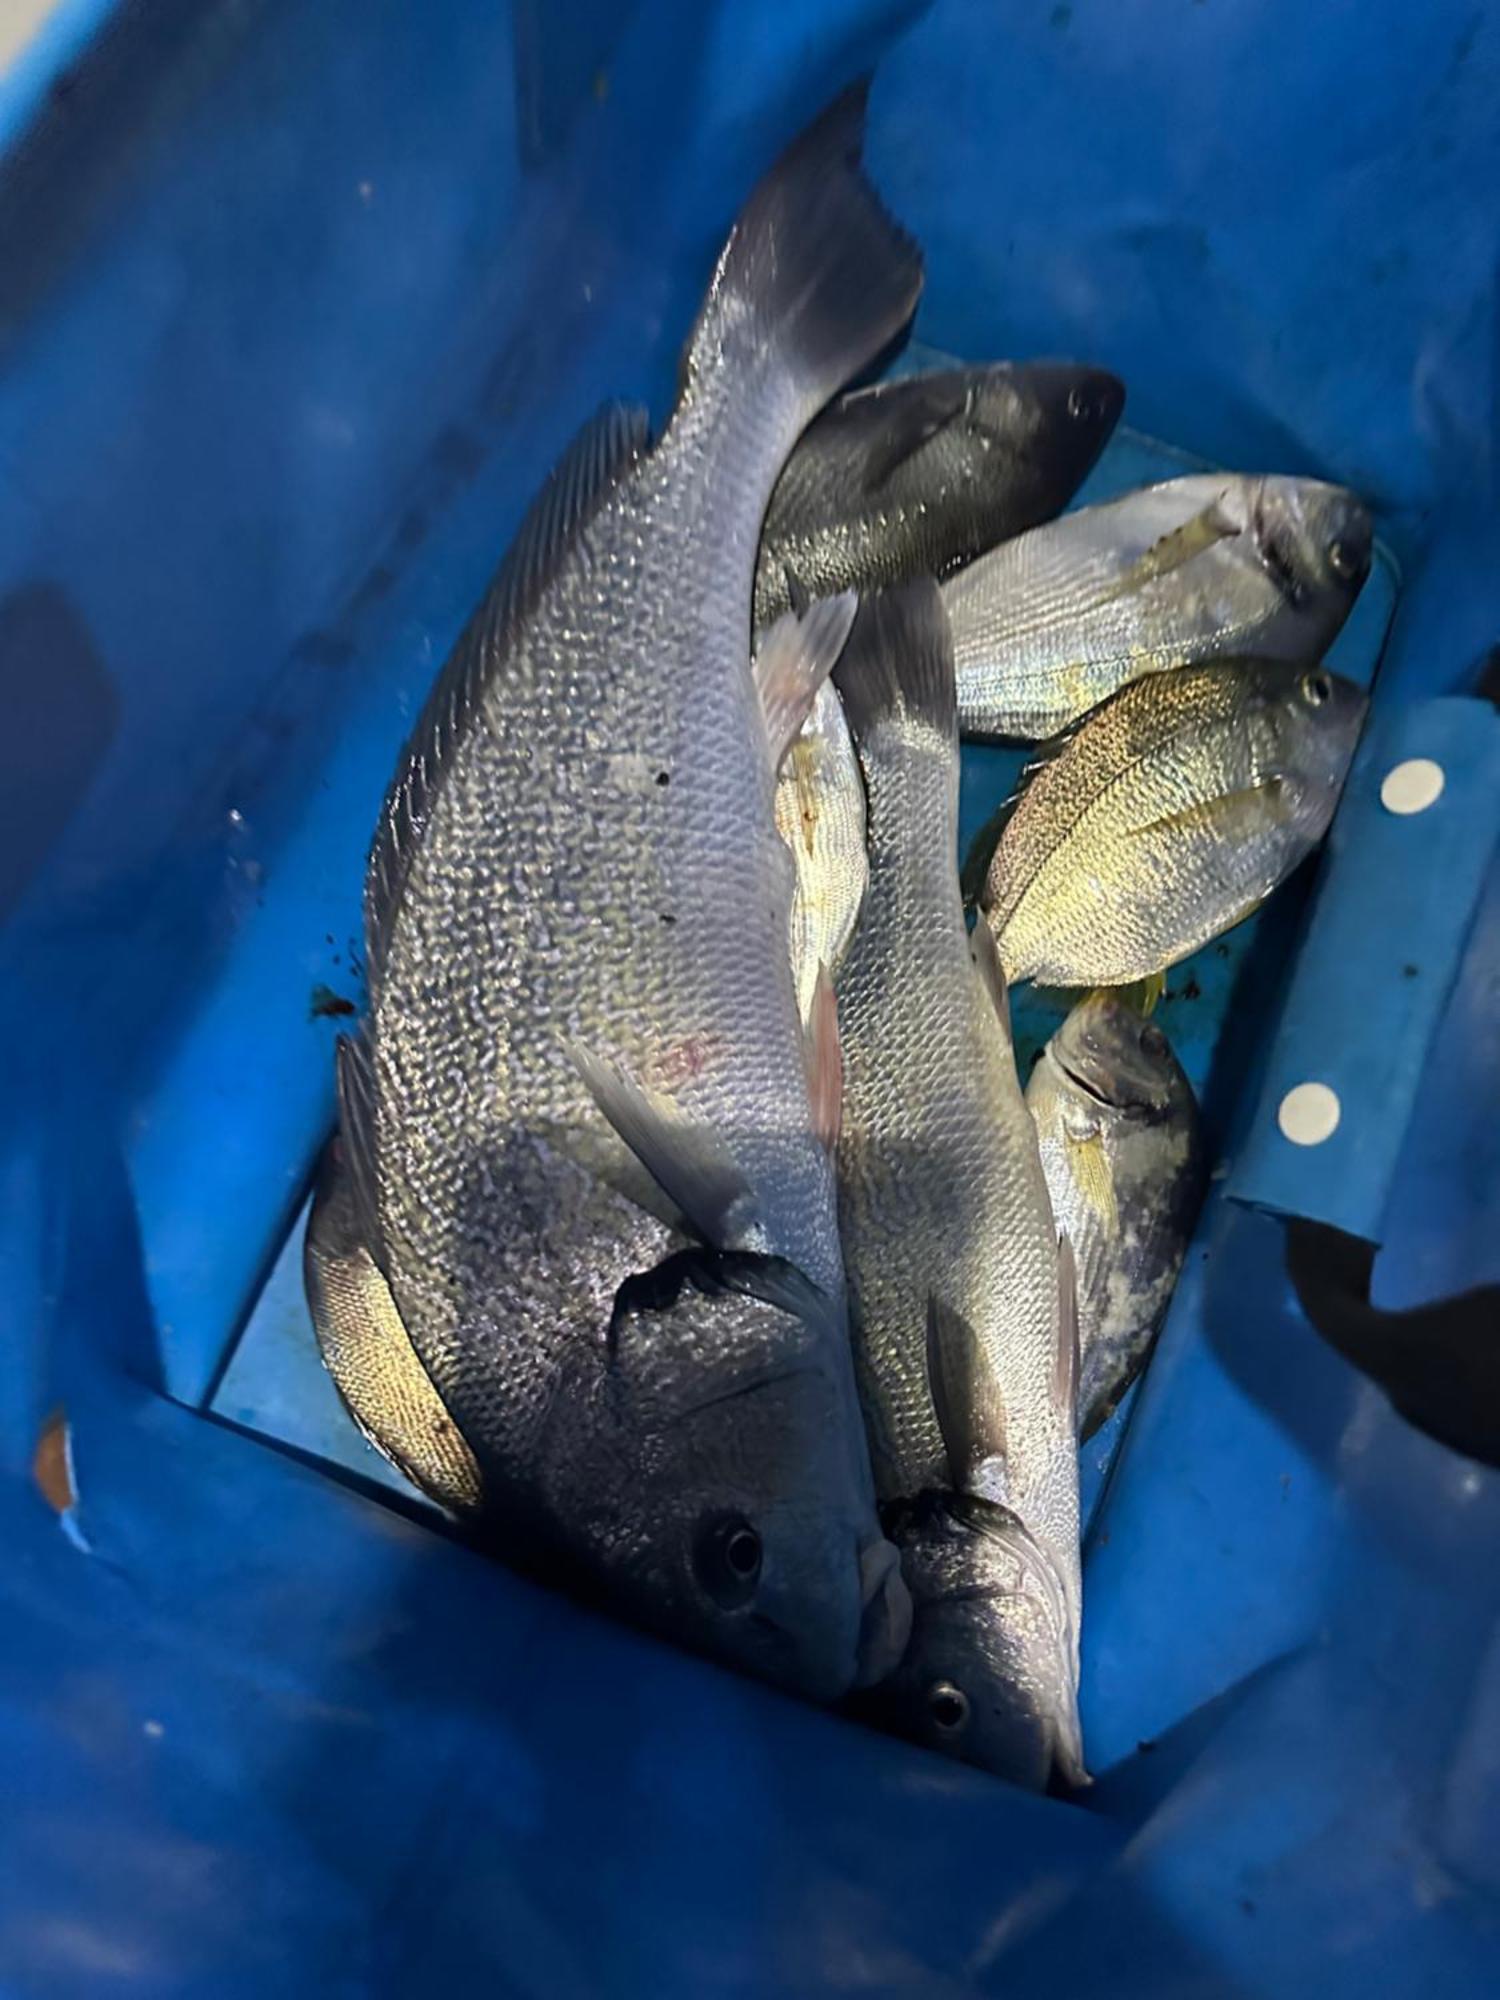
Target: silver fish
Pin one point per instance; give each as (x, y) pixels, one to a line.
(577, 915)
(686, 1375)
(1049, 625)
(1118, 1127)
(1167, 816)
(913, 477)
(820, 814)
(961, 1309)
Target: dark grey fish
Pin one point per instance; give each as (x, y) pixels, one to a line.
(960, 1301)
(917, 476)
(577, 917)
(1118, 1127)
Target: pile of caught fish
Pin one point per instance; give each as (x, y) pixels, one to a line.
(687, 1229)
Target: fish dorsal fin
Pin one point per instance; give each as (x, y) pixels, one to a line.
(592, 466)
(1065, 1366)
(687, 1161)
(792, 662)
(918, 408)
(355, 1074)
(967, 1400)
(982, 847)
(1170, 551)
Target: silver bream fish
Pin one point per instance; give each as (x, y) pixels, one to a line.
(577, 916)
(1169, 814)
(1118, 1127)
(913, 477)
(960, 1302)
(1047, 626)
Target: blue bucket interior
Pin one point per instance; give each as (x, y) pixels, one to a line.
(301, 303)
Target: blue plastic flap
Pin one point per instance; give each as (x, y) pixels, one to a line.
(1385, 939)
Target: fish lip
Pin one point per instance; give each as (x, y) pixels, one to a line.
(886, 1614)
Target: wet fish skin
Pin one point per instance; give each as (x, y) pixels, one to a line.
(988, 1674)
(820, 814)
(1215, 565)
(1167, 816)
(1117, 1123)
(915, 476)
(577, 894)
(948, 1234)
(713, 1382)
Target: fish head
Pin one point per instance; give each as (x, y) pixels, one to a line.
(1314, 540)
(991, 1673)
(1064, 411)
(1302, 726)
(710, 1485)
(1120, 1061)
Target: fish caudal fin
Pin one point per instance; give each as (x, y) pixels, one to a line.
(816, 277)
(899, 661)
(792, 662)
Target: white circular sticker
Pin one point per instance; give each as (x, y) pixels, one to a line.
(1309, 1114)
(1412, 786)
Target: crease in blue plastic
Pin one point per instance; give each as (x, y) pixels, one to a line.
(1385, 938)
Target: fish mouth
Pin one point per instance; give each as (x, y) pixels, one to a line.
(886, 1614)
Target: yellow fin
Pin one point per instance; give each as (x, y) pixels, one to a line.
(1088, 1163)
(1141, 994)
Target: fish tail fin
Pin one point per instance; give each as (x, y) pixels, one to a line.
(899, 660)
(816, 276)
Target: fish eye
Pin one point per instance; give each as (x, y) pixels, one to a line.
(948, 1707)
(1082, 406)
(726, 1559)
(1153, 1041)
(1343, 561)
(1316, 689)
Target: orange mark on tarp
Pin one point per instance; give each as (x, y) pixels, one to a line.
(52, 1464)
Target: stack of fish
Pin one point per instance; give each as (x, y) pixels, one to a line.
(687, 1230)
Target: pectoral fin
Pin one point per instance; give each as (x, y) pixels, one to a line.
(1232, 817)
(690, 1164)
(1178, 546)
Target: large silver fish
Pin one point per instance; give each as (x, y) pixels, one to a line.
(1168, 815)
(577, 916)
(913, 477)
(1049, 625)
(1118, 1127)
(960, 1302)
